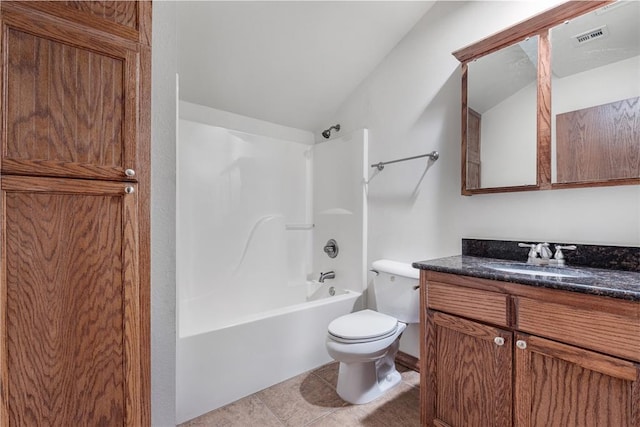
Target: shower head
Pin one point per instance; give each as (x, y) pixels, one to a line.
(327, 133)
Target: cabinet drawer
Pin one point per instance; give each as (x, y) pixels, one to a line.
(614, 334)
(490, 307)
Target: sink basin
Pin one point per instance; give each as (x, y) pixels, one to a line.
(536, 270)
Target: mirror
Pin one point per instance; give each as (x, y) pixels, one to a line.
(595, 63)
(554, 101)
(501, 117)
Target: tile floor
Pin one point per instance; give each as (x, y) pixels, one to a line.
(310, 400)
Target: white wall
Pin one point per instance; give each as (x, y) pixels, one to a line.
(163, 193)
(508, 141)
(411, 105)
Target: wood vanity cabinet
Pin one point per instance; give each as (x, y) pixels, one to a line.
(74, 235)
(502, 354)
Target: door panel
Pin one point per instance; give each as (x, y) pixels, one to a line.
(565, 386)
(70, 333)
(72, 98)
(469, 374)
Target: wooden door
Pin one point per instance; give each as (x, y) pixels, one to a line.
(70, 98)
(469, 375)
(474, 121)
(565, 386)
(70, 324)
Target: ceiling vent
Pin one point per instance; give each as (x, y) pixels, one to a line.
(591, 35)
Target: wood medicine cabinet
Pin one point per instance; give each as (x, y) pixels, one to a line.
(554, 101)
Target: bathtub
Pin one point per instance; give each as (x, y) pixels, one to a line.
(219, 361)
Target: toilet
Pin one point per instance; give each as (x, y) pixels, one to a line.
(366, 342)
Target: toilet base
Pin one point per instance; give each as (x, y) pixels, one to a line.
(362, 382)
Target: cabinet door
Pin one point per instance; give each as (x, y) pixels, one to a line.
(69, 303)
(565, 386)
(469, 375)
(70, 98)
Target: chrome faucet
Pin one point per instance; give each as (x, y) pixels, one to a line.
(541, 249)
(327, 275)
(544, 251)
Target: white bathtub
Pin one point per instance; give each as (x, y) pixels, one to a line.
(218, 363)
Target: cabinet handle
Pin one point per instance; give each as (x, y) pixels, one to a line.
(498, 341)
(130, 172)
(129, 189)
(521, 344)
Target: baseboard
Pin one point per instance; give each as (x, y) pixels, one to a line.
(408, 361)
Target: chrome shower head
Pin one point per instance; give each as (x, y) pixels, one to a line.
(327, 133)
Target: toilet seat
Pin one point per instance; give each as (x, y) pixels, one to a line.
(362, 326)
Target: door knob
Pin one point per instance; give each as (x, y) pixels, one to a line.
(499, 341)
(521, 344)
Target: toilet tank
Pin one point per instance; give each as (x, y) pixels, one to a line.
(396, 290)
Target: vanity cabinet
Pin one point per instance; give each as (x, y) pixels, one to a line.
(501, 354)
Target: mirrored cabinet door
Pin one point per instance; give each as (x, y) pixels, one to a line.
(595, 66)
(501, 117)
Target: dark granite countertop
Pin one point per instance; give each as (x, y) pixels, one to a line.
(610, 283)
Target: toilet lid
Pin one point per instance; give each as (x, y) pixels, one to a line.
(363, 326)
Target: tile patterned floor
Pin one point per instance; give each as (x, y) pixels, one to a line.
(310, 400)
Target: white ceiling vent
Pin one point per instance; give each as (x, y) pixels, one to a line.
(591, 35)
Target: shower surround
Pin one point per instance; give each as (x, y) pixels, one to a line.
(248, 252)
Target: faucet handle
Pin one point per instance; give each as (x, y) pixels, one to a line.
(532, 249)
(559, 255)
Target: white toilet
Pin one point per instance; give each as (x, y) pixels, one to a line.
(366, 342)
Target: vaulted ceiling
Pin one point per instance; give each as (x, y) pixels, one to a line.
(292, 62)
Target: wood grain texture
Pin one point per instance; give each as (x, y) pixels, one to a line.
(71, 116)
(616, 306)
(464, 70)
(606, 332)
(472, 373)
(72, 349)
(70, 44)
(584, 322)
(117, 18)
(543, 119)
(467, 302)
(73, 102)
(144, 226)
(474, 168)
(560, 385)
(427, 352)
(599, 143)
(64, 309)
(408, 361)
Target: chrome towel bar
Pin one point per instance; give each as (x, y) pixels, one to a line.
(434, 155)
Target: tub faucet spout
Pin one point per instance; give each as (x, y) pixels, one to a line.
(327, 275)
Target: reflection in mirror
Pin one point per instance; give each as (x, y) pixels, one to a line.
(501, 117)
(596, 95)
